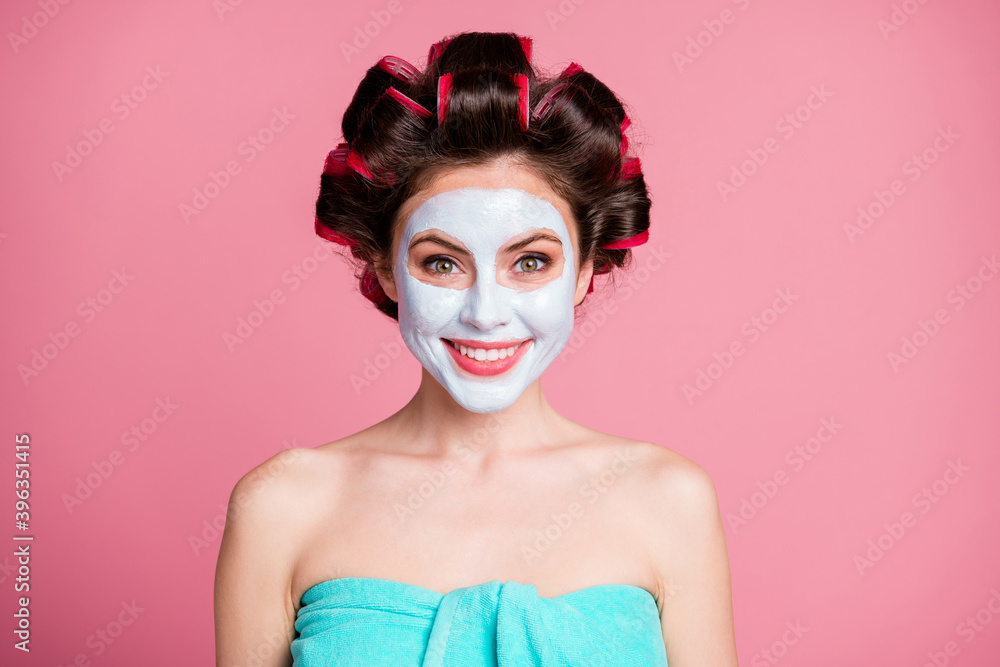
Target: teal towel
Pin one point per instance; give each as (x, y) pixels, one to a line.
(365, 622)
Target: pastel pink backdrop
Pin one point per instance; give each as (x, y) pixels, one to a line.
(879, 97)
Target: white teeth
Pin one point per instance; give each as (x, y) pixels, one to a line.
(486, 355)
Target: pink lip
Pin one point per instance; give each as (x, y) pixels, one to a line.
(486, 368)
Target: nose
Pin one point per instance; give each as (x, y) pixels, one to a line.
(487, 304)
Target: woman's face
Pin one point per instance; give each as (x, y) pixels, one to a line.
(484, 272)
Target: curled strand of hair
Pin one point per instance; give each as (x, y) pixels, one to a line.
(393, 131)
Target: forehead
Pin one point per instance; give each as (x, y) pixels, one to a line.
(485, 218)
(502, 173)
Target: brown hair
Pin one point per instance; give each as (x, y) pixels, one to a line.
(394, 145)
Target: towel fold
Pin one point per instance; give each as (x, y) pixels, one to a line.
(365, 622)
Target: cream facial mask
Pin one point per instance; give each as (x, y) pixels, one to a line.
(513, 330)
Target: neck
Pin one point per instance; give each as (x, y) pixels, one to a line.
(433, 424)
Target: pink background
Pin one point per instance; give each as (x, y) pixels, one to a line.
(854, 298)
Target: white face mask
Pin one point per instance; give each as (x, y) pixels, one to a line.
(484, 220)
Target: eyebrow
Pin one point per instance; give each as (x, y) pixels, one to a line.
(513, 247)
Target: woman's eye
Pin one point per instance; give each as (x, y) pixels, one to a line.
(529, 264)
(532, 263)
(440, 265)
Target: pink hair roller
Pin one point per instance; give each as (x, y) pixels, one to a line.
(410, 104)
(334, 166)
(331, 235)
(572, 69)
(631, 241)
(357, 163)
(522, 99)
(547, 103)
(522, 84)
(625, 123)
(443, 92)
(336, 159)
(526, 47)
(399, 68)
(436, 50)
(631, 168)
(342, 159)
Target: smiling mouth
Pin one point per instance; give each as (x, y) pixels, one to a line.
(486, 351)
(480, 358)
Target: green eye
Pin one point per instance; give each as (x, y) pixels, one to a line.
(439, 265)
(533, 263)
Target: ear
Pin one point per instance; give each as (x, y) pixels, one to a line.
(583, 281)
(385, 279)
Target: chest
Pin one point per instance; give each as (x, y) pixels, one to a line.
(562, 527)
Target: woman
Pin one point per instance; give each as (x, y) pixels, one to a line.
(476, 526)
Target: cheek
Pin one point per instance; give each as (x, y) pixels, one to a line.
(548, 310)
(427, 309)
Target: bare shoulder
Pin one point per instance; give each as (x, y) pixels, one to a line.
(656, 477)
(272, 486)
(290, 490)
(683, 537)
(675, 482)
(672, 503)
(266, 521)
(676, 502)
